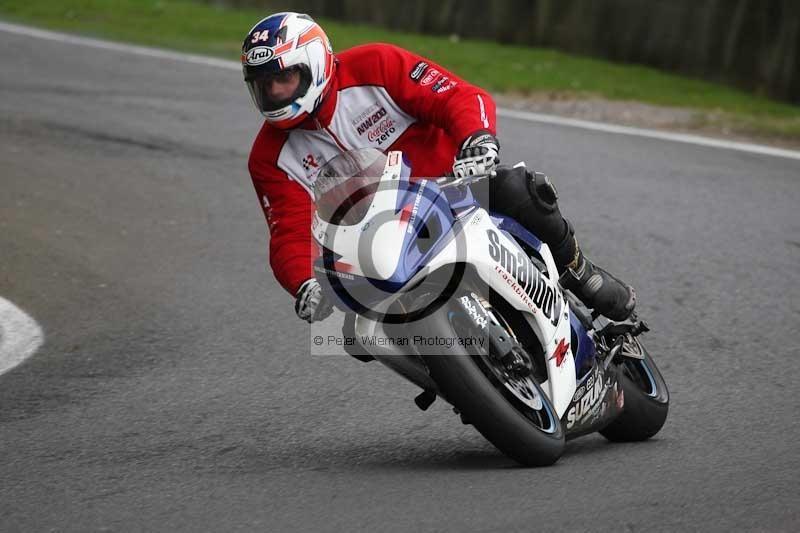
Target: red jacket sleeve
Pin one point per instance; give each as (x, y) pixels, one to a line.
(432, 94)
(288, 209)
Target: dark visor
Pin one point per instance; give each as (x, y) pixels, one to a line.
(259, 87)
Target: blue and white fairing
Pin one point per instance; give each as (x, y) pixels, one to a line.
(410, 231)
(406, 224)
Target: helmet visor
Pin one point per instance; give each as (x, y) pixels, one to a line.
(273, 90)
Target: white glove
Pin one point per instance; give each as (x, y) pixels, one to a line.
(479, 155)
(311, 305)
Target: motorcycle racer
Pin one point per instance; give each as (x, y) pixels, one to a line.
(317, 105)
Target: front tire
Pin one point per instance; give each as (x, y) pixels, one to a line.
(646, 401)
(484, 403)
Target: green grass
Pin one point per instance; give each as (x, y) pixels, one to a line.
(216, 31)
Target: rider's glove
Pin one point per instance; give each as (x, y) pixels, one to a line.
(479, 154)
(311, 305)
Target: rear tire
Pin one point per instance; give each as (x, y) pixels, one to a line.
(646, 402)
(481, 403)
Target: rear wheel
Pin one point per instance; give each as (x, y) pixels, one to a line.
(646, 399)
(511, 411)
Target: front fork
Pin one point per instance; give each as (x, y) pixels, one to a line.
(504, 348)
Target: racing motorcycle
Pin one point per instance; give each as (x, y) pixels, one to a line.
(466, 304)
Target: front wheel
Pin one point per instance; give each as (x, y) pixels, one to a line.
(517, 417)
(646, 399)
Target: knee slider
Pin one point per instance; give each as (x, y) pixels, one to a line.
(517, 186)
(532, 200)
(542, 191)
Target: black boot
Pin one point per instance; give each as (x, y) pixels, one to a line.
(598, 289)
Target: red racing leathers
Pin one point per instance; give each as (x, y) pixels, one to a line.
(382, 97)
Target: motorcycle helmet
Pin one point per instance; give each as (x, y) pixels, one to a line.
(275, 48)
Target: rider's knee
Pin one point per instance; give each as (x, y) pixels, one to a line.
(522, 189)
(542, 191)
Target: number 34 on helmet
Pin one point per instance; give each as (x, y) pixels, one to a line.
(282, 43)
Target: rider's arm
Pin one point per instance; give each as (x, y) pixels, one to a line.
(288, 209)
(432, 94)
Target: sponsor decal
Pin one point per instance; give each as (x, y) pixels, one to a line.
(561, 352)
(381, 132)
(415, 209)
(334, 273)
(309, 162)
(260, 36)
(588, 402)
(578, 393)
(430, 77)
(418, 70)
(438, 85)
(472, 310)
(364, 114)
(376, 124)
(525, 279)
(371, 120)
(516, 288)
(446, 87)
(259, 55)
(280, 113)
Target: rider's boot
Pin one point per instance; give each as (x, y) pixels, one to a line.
(596, 288)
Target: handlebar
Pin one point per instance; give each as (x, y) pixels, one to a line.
(449, 181)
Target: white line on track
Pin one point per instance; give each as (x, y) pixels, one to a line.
(651, 134)
(509, 113)
(117, 47)
(20, 335)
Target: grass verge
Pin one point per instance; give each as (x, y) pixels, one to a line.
(208, 29)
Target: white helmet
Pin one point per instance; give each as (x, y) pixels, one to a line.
(287, 42)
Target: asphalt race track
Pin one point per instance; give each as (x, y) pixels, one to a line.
(174, 390)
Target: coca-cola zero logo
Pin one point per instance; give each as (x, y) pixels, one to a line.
(382, 131)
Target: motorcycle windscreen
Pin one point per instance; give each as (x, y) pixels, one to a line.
(346, 203)
(345, 186)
